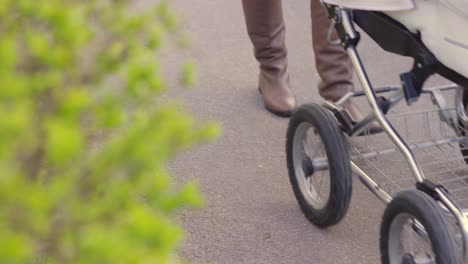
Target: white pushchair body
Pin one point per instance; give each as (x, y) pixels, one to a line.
(443, 25)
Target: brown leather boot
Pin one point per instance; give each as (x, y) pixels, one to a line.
(265, 26)
(333, 64)
(331, 61)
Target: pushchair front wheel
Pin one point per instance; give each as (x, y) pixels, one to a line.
(319, 165)
(415, 230)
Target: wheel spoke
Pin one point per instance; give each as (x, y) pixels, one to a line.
(319, 189)
(315, 148)
(304, 148)
(424, 260)
(310, 148)
(311, 185)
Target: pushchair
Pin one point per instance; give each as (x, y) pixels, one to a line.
(418, 166)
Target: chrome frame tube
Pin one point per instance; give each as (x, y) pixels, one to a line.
(461, 217)
(461, 113)
(394, 99)
(345, 98)
(366, 121)
(444, 87)
(380, 117)
(371, 184)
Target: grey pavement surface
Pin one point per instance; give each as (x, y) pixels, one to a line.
(251, 215)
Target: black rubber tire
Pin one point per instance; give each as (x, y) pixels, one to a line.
(424, 209)
(338, 155)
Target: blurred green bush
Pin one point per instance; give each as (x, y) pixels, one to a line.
(83, 141)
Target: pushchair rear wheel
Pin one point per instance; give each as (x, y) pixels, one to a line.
(415, 230)
(319, 165)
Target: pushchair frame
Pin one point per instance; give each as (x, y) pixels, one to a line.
(395, 38)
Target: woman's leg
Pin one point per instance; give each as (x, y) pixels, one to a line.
(332, 62)
(265, 26)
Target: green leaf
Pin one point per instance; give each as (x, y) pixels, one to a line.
(64, 140)
(14, 247)
(14, 86)
(75, 101)
(167, 17)
(189, 74)
(8, 52)
(210, 131)
(38, 44)
(190, 195)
